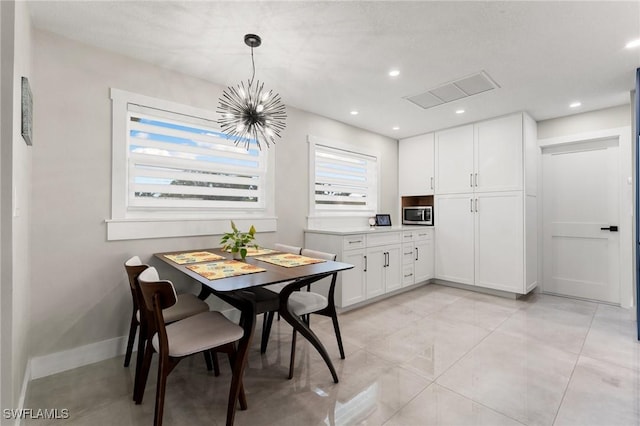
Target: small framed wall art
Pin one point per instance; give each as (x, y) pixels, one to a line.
(27, 112)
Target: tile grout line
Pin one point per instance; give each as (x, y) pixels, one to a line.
(463, 356)
(564, 394)
(480, 403)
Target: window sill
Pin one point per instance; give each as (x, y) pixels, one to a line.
(139, 229)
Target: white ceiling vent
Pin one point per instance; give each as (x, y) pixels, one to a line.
(454, 90)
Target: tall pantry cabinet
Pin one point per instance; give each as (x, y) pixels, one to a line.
(485, 204)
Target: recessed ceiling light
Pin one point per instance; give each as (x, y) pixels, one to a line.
(396, 128)
(575, 104)
(632, 44)
(394, 73)
(459, 111)
(354, 112)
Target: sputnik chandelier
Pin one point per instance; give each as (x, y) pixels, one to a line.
(252, 112)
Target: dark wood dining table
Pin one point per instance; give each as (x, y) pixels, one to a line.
(238, 292)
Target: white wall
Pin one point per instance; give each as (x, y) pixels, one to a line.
(16, 187)
(79, 293)
(608, 118)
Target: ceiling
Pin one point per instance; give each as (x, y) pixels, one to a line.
(333, 57)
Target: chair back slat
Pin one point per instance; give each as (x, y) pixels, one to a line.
(156, 295)
(325, 256)
(134, 268)
(287, 248)
(318, 254)
(150, 284)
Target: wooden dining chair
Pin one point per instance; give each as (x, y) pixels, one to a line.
(198, 333)
(304, 303)
(186, 305)
(267, 320)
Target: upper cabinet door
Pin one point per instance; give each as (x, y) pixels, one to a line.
(498, 154)
(416, 167)
(454, 160)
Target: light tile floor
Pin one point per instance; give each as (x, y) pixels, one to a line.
(432, 356)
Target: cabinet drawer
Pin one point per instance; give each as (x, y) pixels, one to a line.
(353, 242)
(407, 275)
(407, 236)
(383, 239)
(426, 234)
(408, 254)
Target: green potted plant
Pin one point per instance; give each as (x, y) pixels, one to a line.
(237, 242)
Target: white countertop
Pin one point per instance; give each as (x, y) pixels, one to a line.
(368, 230)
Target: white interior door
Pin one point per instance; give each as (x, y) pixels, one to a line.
(581, 197)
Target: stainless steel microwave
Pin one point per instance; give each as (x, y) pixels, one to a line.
(417, 215)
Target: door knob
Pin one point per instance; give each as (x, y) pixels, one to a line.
(612, 228)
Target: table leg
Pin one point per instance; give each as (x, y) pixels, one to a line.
(300, 326)
(247, 322)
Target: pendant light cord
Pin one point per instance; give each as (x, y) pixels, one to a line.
(253, 65)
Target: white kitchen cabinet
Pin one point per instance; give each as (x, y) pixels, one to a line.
(480, 233)
(424, 260)
(377, 258)
(417, 255)
(384, 268)
(416, 165)
(499, 240)
(498, 154)
(354, 290)
(481, 240)
(408, 251)
(481, 157)
(454, 160)
(454, 253)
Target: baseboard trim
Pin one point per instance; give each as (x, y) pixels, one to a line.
(46, 365)
(500, 293)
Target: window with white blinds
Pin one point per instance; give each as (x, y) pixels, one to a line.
(345, 181)
(183, 163)
(175, 174)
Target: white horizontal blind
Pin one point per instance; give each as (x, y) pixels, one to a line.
(182, 163)
(344, 180)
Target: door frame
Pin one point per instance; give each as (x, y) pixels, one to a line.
(625, 209)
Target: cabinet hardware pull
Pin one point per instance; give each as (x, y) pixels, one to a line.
(471, 180)
(471, 205)
(417, 253)
(476, 179)
(355, 242)
(432, 182)
(409, 275)
(476, 205)
(612, 228)
(365, 263)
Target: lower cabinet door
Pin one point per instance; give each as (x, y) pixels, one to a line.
(393, 270)
(423, 263)
(499, 241)
(352, 288)
(454, 259)
(375, 265)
